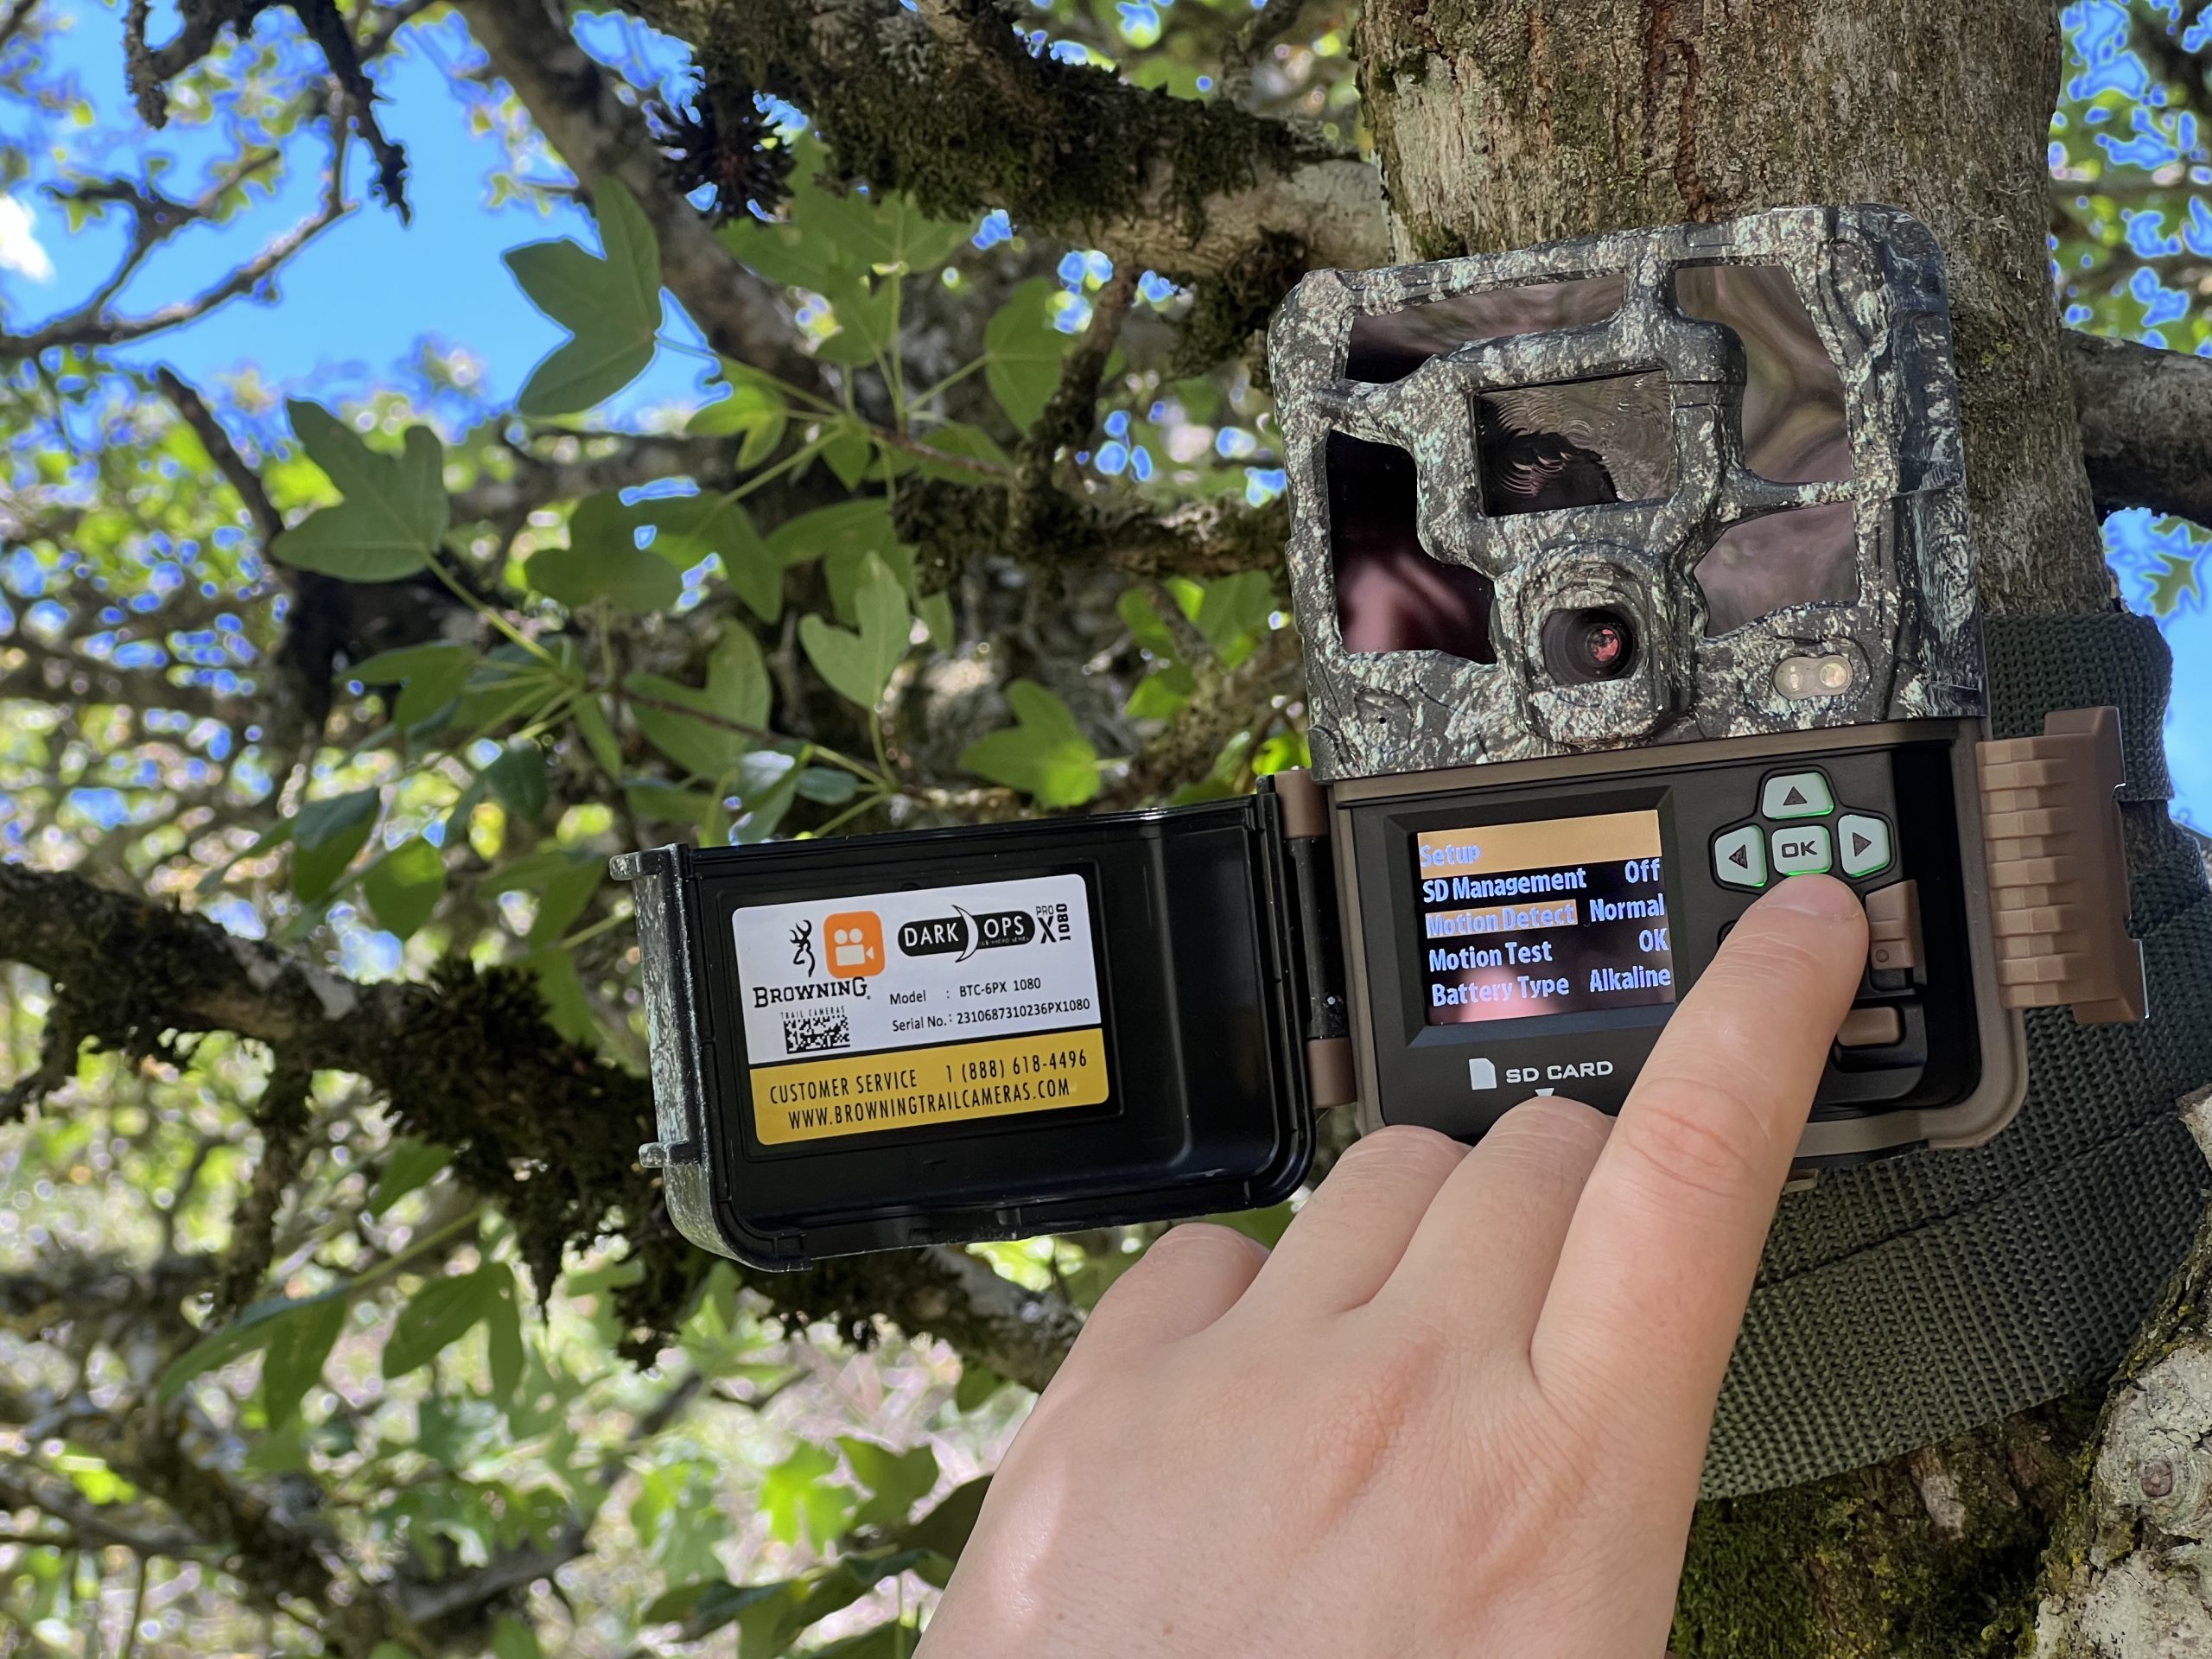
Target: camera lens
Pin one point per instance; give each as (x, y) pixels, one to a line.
(1582, 647)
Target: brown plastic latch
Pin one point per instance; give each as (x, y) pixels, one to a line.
(2058, 871)
(1305, 804)
(1330, 1078)
(1894, 941)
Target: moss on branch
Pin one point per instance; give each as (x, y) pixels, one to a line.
(544, 1128)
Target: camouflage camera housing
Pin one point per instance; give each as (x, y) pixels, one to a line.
(1740, 440)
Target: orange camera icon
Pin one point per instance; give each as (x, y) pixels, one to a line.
(855, 943)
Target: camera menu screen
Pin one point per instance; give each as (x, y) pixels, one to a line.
(1548, 916)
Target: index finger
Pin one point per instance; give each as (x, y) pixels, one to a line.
(1657, 1267)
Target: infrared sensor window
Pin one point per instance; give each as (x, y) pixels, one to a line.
(1575, 443)
(1794, 433)
(1389, 345)
(1802, 555)
(1391, 595)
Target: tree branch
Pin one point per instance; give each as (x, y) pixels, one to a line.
(268, 522)
(539, 480)
(950, 525)
(539, 1126)
(574, 102)
(155, 219)
(949, 105)
(1258, 36)
(1070, 413)
(2146, 425)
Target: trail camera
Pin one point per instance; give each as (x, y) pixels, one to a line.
(1635, 575)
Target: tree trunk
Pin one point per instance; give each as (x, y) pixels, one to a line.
(1503, 126)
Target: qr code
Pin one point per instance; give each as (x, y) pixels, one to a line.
(812, 1033)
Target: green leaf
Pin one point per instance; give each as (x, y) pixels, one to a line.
(896, 1481)
(945, 1529)
(935, 612)
(298, 1346)
(511, 684)
(242, 1336)
(1141, 618)
(737, 690)
(846, 449)
(408, 1163)
(894, 1639)
(2176, 581)
(513, 1639)
(434, 675)
(598, 735)
(827, 785)
(1163, 695)
(503, 1336)
(517, 779)
(664, 803)
(964, 443)
(767, 783)
(568, 1010)
(859, 665)
(686, 529)
(1025, 350)
(754, 408)
(439, 1314)
(858, 526)
(610, 304)
(1232, 610)
(326, 834)
(562, 879)
(404, 886)
(602, 560)
(394, 514)
(866, 318)
(1044, 754)
(883, 229)
(797, 1498)
(978, 1384)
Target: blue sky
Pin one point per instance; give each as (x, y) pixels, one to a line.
(355, 308)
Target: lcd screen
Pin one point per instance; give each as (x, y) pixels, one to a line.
(1548, 916)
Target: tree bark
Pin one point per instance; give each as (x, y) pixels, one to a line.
(1502, 125)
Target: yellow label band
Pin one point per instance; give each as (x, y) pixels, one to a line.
(905, 1089)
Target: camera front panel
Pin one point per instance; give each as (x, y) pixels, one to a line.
(1731, 452)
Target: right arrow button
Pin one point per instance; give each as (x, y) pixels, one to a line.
(1863, 845)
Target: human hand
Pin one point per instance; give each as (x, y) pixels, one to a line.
(1462, 1407)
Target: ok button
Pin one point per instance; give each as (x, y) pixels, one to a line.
(1805, 851)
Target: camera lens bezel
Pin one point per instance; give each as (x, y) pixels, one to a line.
(1567, 640)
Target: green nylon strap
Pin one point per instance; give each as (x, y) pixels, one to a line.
(1915, 1298)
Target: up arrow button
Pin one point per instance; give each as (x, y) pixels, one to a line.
(1797, 795)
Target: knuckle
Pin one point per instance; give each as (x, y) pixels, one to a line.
(1551, 1124)
(1396, 1149)
(1200, 1247)
(1705, 1137)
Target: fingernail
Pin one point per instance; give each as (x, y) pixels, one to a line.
(1815, 895)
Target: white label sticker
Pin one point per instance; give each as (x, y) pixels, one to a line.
(936, 980)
